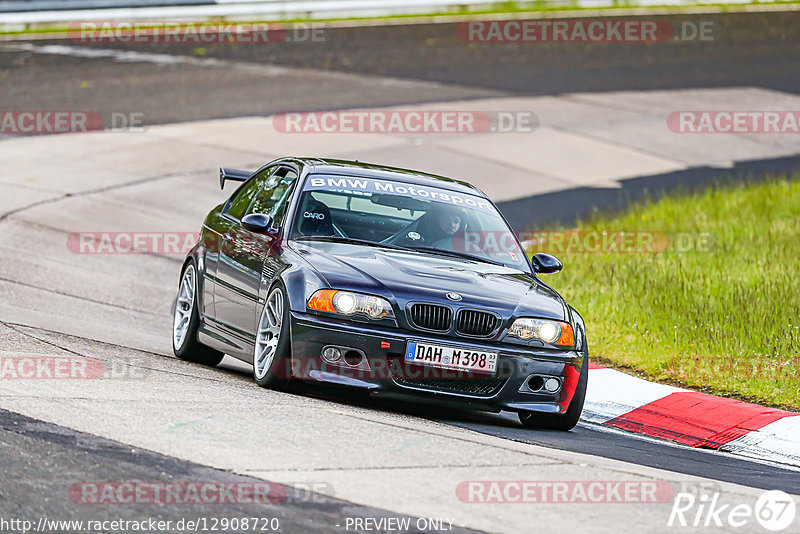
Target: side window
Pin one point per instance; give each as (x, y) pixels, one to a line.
(272, 199)
(244, 196)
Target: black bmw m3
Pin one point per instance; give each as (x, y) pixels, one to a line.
(405, 284)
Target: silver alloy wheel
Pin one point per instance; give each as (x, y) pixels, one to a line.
(183, 308)
(269, 333)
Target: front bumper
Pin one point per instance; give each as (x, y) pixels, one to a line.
(383, 372)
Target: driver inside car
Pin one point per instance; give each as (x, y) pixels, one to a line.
(449, 223)
(437, 228)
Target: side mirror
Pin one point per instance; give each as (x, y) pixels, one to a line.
(258, 223)
(546, 264)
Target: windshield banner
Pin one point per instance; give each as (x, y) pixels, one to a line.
(369, 187)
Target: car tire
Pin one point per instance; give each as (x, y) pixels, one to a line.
(271, 354)
(186, 322)
(568, 420)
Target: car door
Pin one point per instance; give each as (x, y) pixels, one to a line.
(215, 235)
(243, 254)
(227, 226)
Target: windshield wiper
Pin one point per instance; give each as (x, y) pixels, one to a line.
(349, 241)
(457, 254)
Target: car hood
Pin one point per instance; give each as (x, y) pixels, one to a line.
(410, 276)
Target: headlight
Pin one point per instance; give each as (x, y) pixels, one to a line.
(347, 303)
(552, 332)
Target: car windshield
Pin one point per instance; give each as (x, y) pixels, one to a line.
(400, 215)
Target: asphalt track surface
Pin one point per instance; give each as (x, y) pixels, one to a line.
(595, 440)
(758, 50)
(33, 451)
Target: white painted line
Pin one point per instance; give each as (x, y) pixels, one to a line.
(123, 56)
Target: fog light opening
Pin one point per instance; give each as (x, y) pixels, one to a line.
(331, 354)
(535, 383)
(353, 358)
(551, 385)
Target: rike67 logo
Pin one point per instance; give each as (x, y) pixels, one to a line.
(774, 511)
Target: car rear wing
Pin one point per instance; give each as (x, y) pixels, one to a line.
(233, 175)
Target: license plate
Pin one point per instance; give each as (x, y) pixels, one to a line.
(451, 357)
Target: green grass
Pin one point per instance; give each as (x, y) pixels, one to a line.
(726, 320)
